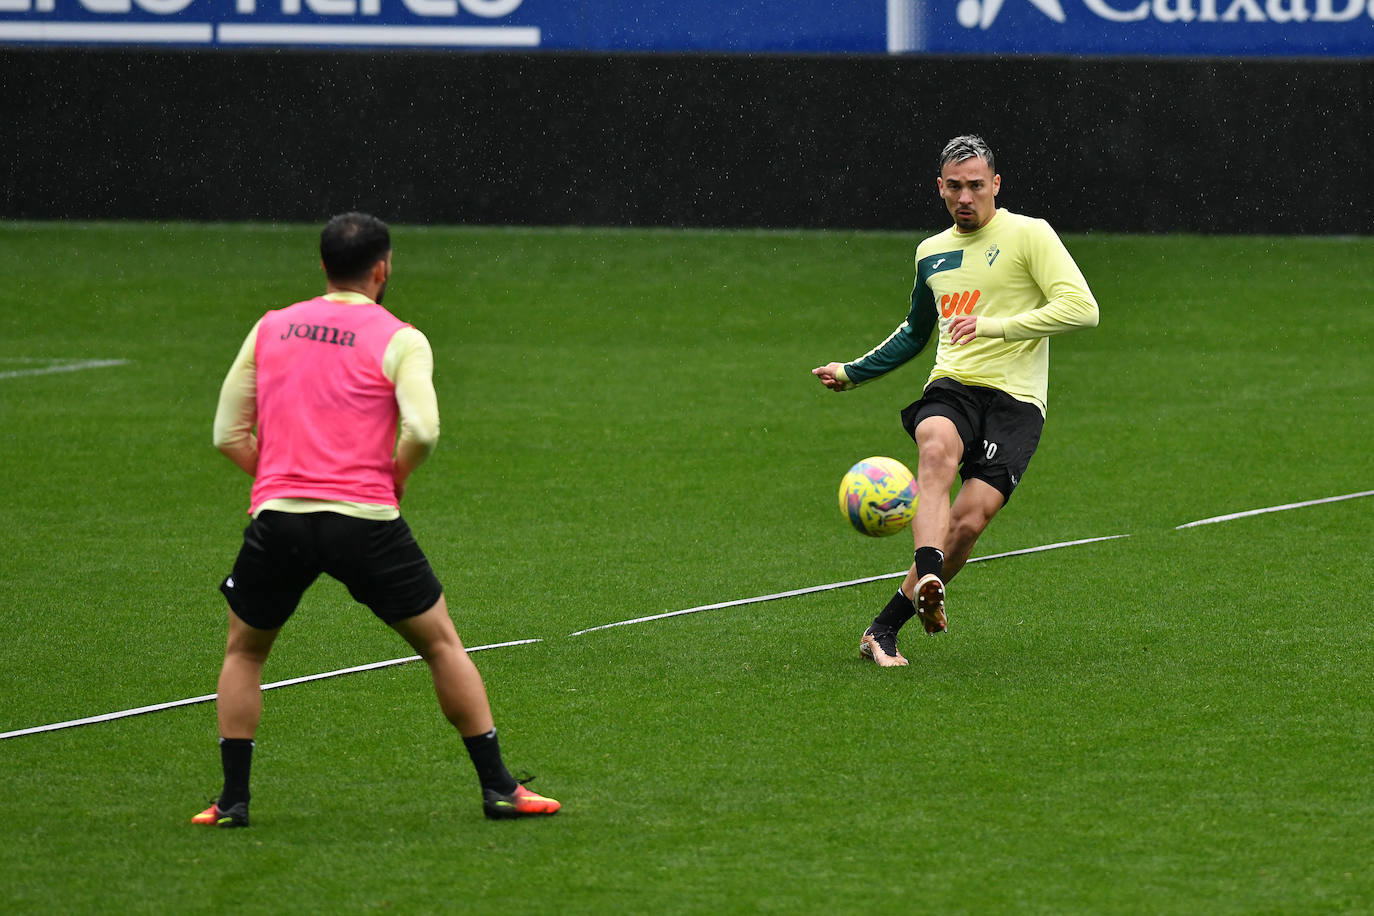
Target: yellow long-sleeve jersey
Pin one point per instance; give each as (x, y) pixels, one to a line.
(1018, 278)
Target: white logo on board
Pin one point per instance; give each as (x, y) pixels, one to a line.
(980, 14)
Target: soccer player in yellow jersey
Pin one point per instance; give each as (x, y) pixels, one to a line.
(996, 285)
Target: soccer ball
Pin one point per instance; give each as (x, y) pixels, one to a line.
(878, 496)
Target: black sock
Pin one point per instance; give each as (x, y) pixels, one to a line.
(236, 756)
(930, 561)
(485, 752)
(898, 611)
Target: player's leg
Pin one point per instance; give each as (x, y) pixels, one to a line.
(463, 699)
(940, 449)
(385, 569)
(1011, 431)
(268, 578)
(457, 683)
(238, 707)
(978, 501)
(238, 701)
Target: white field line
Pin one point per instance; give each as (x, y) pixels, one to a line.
(832, 586)
(706, 607)
(1235, 515)
(191, 701)
(61, 365)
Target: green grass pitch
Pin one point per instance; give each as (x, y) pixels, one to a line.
(1179, 721)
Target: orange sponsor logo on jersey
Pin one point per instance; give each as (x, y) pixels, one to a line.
(953, 304)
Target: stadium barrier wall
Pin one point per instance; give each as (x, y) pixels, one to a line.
(1253, 146)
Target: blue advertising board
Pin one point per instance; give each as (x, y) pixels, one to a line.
(1307, 28)
(560, 25)
(1276, 28)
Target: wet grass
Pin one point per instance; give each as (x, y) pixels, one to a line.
(1173, 722)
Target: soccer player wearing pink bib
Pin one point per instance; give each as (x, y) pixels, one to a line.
(311, 408)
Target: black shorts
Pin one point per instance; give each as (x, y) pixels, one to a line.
(999, 432)
(284, 552)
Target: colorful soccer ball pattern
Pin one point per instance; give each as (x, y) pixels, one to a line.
(878, 496)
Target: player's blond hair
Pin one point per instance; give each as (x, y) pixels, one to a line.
(967, 146)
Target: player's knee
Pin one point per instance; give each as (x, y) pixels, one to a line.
(937, 456)
(438, 652)
(249, 645)
(435, 644)
(247, 654)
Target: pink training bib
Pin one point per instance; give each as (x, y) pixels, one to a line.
(327, 414)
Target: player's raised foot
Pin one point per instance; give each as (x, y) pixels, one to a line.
(880, 644)
(520, 803)
(236, 815)
(930, 604)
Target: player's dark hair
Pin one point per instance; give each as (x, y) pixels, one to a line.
(967, 146)
(351, 243)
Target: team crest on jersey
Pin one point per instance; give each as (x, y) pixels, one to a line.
(992, 253)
